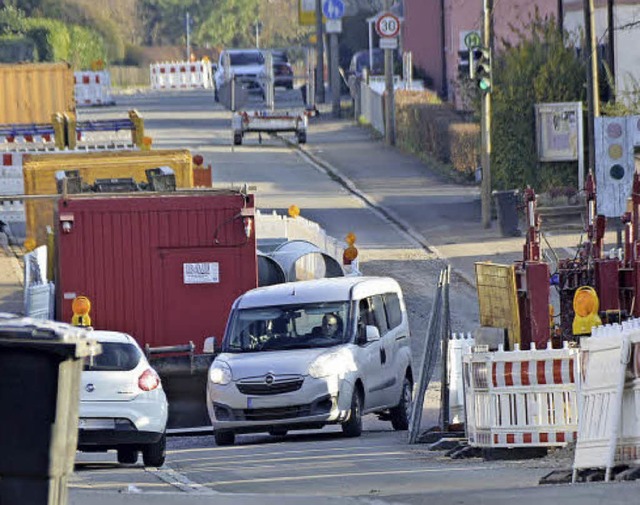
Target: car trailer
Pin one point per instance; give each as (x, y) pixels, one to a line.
(269, 122)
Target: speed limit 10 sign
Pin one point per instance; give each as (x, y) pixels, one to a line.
(388, 25)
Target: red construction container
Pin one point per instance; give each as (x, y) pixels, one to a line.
(143, 260)
(163, 268)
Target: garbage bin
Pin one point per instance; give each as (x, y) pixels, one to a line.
(40, 366)
(507, 210)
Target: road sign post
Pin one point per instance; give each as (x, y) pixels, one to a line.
(388, 27)
(333, 10)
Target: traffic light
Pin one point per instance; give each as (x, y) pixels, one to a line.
(464, 66)
(481, 69)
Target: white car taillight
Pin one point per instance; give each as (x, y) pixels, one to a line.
(149, 380)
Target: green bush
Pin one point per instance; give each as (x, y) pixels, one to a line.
(16, 49)
(51, 38)
(426, 126)
(85, 47)
(540, 68)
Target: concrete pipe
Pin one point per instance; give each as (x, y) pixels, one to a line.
(302, 260)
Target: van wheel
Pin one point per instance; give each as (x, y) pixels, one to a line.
(353, 426)
(127, 456)
(224, 438)
(155, 454)
(237, 139)
(401, 413)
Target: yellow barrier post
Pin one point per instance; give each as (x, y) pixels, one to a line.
(57, 121)
(71, 121)
(137, 134)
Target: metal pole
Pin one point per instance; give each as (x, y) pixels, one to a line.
(611, 53)
(319, 54)
(390, 120)
(188, 38)
(593, 96)
(446, 329)
(486, 126)
(335, 77)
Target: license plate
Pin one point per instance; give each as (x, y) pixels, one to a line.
(95, 424)
(261, 402)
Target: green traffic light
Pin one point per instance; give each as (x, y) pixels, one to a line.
(484, 84)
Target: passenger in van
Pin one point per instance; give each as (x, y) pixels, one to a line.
(331, 326)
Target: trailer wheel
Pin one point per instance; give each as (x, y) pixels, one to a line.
(224, 438)
(302, 137)
(154, 454)
(237, 139)
(127, 456)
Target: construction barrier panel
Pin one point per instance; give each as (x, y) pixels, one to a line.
(181, 75)
(93, 88)
(459, 345)
(125, 133)
(521, 398)
(39, 176)
(609, 427)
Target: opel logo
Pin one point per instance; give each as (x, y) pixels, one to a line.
(268, 379)
(90, 388)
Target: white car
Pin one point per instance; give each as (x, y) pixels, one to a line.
(246, 64)
(122, 403)
(305, 354)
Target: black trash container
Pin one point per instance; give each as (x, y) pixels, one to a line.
(507, 210)
(40, 366)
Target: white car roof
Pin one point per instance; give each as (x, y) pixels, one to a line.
(111, 336)
(317, 290)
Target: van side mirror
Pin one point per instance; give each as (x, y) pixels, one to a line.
(209, 345)
(372, 333)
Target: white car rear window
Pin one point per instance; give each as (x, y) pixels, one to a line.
(115, 357)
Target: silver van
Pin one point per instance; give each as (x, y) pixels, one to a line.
(305, 354)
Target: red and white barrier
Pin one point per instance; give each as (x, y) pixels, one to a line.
(521, 398)
(93, 88)
(27, 142)
(609, 427)
(181, 75)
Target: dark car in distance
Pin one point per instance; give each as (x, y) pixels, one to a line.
(282, 70)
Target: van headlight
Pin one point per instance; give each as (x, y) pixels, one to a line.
(334, 363)
(220, 373)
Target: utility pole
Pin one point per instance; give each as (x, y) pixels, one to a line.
(485, 188)
(319, 54)
(611, 60)
(335, 76)
(188, 21)
(593, 95)
(390, 107)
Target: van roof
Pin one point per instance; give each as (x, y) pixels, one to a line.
(110, 336)
(317, 290)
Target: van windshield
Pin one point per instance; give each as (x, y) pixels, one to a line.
(300, 326)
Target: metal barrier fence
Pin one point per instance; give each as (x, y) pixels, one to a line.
(521, 398)
(437, 334)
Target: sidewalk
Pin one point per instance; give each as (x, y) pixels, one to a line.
(441, 215)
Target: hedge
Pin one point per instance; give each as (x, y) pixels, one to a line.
(424, 125)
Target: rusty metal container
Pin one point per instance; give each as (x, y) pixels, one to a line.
(33, 92)
(165, 269)
(39, 176)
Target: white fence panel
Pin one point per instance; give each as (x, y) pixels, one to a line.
(93, 88)
(181, 75)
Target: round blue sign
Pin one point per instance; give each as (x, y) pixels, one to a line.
(333, 9)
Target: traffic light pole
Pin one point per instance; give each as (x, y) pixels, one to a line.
(319, 54)
(486, 124)
(390, 106)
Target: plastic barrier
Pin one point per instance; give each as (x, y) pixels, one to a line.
(609, 430)
(30, 137)
(521, 398)
(93, 88)
(126, 133)
(181, 75)
(459, 345)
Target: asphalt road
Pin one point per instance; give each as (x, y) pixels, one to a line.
(322, 467)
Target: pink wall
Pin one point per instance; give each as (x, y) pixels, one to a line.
(421, 36)
(422, 20)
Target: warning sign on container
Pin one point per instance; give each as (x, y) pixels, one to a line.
(201, 273)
